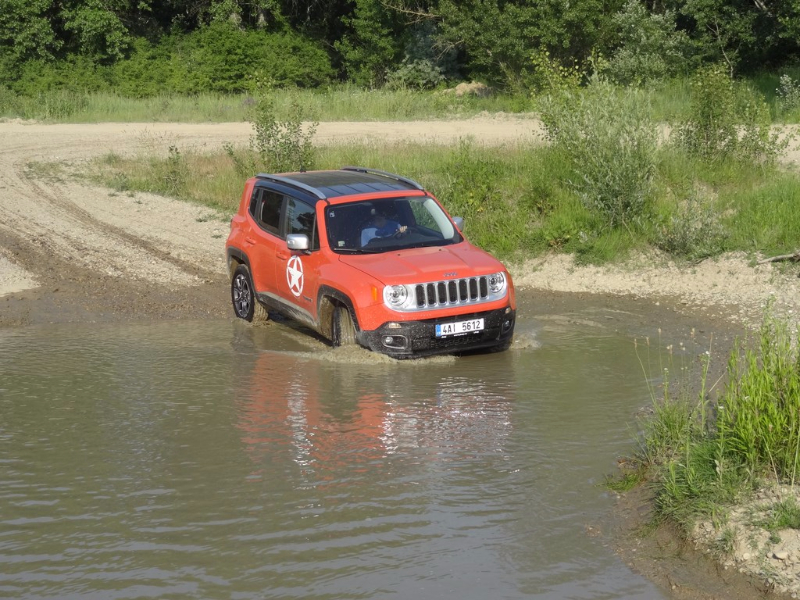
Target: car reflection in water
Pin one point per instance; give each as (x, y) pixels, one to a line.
(338, 420)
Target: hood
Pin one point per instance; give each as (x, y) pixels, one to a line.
(421, 265)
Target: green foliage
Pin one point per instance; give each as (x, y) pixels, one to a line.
(701, 459)
(98, 30)
(473, 184)
(549, 76)
(692, 230)
(722, 125)
(788, 93)
(497, 38)
(758, 425)
(373, 43)
(783, 515)
(418, 74)
(277, 145)
(612, 147)
(223, 58)
(650, 46)
(765, 219)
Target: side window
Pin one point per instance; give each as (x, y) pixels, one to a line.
(301, 218)
(270, 217)
(253, 202)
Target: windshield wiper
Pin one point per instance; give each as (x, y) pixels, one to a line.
(359, 250)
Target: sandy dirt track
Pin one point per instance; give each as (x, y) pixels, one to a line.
(83, 252)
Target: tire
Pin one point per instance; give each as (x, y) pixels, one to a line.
(243, 297)
(343, 329)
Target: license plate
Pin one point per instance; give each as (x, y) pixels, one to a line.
(459, 327)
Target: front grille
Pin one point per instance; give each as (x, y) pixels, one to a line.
(454, 292)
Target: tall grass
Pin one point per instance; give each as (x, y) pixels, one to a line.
(765, 218)
(339, 103)
(702, 455)
(670, 102)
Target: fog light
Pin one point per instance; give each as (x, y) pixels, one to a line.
(394, 341)
(506, 325)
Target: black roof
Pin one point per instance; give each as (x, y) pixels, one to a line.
(344, 182)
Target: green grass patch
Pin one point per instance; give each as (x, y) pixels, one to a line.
(703, 455)
(764, 217)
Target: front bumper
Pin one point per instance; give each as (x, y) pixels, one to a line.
(409, 339)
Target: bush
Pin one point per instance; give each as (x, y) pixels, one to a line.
(611, 145)
(278, 145)
(418, 74)
(722, 124)
(788, 93)
(692, 232)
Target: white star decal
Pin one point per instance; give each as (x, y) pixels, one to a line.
(294, 275)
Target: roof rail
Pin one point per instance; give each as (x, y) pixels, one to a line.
(410, 182)
(292, 182)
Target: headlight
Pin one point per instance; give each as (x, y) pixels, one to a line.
(497, 283)
(395, 295)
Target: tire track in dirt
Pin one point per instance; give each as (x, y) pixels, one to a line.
(148, 238)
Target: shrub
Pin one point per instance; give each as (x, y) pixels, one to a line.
(692, 232)
(550, 76)
(277, 145)
(723, 125)
(418, 74)
(788, 93)
(611, 145)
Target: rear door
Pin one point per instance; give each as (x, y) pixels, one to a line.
(266, 241)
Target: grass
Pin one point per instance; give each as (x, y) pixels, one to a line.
(670, 103)
(702, 455)
(338, 103)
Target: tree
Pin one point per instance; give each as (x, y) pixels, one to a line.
(497, 38)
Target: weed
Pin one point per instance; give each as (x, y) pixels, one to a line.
(725, 542)
(783, 515)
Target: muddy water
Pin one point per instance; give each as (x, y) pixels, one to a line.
(215, 460)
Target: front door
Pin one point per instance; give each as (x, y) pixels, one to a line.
(297, 271)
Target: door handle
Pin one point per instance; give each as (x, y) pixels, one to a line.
(249, 241)
(282, 256)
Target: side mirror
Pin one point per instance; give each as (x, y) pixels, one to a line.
(459, 222)
(297, 241)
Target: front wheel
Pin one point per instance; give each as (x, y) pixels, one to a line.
(344, 330)
(245, 305)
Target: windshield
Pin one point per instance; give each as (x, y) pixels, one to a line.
(387, 224)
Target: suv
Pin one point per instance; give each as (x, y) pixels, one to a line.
(366, 257)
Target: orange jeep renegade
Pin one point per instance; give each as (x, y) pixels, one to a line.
(366, 257)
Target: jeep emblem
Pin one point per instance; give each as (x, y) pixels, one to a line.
(451, 274)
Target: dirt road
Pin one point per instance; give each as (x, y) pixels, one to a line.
(83, 252)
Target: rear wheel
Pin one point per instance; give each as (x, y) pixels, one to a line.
(245, 305)
(344, 330)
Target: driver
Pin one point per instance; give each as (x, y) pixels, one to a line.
(381, 227)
